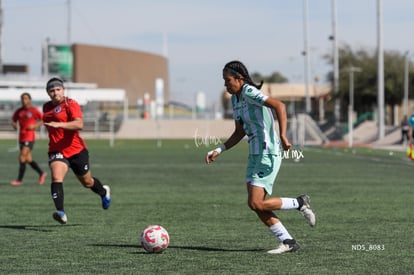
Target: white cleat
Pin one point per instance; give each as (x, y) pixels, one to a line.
(285, 246)
(306, 210)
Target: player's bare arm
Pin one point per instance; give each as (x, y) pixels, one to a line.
(235, 138)
(76, 124)
(280, 109)
(35, 126)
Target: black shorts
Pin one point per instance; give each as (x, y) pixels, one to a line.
(79, 163)
(26, 144)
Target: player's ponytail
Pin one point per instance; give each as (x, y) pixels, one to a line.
(238, 69)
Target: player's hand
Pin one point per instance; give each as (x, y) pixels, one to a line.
(211, 156)
(285, 143)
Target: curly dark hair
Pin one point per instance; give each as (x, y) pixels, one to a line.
(238, 69)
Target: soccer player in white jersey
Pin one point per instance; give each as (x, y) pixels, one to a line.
(252, 112)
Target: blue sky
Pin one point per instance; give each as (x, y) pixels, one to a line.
(201, 36)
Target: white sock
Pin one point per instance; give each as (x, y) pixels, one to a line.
(280, 232)
(289, 203)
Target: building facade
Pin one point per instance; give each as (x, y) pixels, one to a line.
(134, 71)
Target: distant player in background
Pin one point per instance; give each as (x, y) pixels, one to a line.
(410, 148)
(252, 112)
(410, 129)
(26, 119)
(405, 127)
(63, 119)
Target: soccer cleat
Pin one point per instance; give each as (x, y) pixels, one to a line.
(42, 178)
(16, 183)
(306, 210)
(285, 246)
(60, 217)
(106, 200)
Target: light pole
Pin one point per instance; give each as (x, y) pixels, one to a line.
(334, 38)
(351, 70)
(306, 54)
(69, 21)
(1, 37)
(406, 75)
(380, 96)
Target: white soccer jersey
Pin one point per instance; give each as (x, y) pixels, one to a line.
(257, 121)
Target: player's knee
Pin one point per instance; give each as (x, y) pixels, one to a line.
(87, 185)
(87, 182)
(255, 205)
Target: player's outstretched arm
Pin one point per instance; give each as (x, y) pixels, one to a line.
(75, 124)
(235, 138)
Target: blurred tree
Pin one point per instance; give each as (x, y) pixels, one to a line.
(275, 77)
(365, 82)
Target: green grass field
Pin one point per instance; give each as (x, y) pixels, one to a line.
(362, 200)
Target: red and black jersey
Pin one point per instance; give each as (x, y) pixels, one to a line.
(67, 142)
(27, 117)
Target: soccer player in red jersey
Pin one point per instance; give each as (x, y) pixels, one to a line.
(63, 119)
(26, 119)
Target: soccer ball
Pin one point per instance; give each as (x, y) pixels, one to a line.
(155, 239)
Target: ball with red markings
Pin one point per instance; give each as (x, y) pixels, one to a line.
(155, 239)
